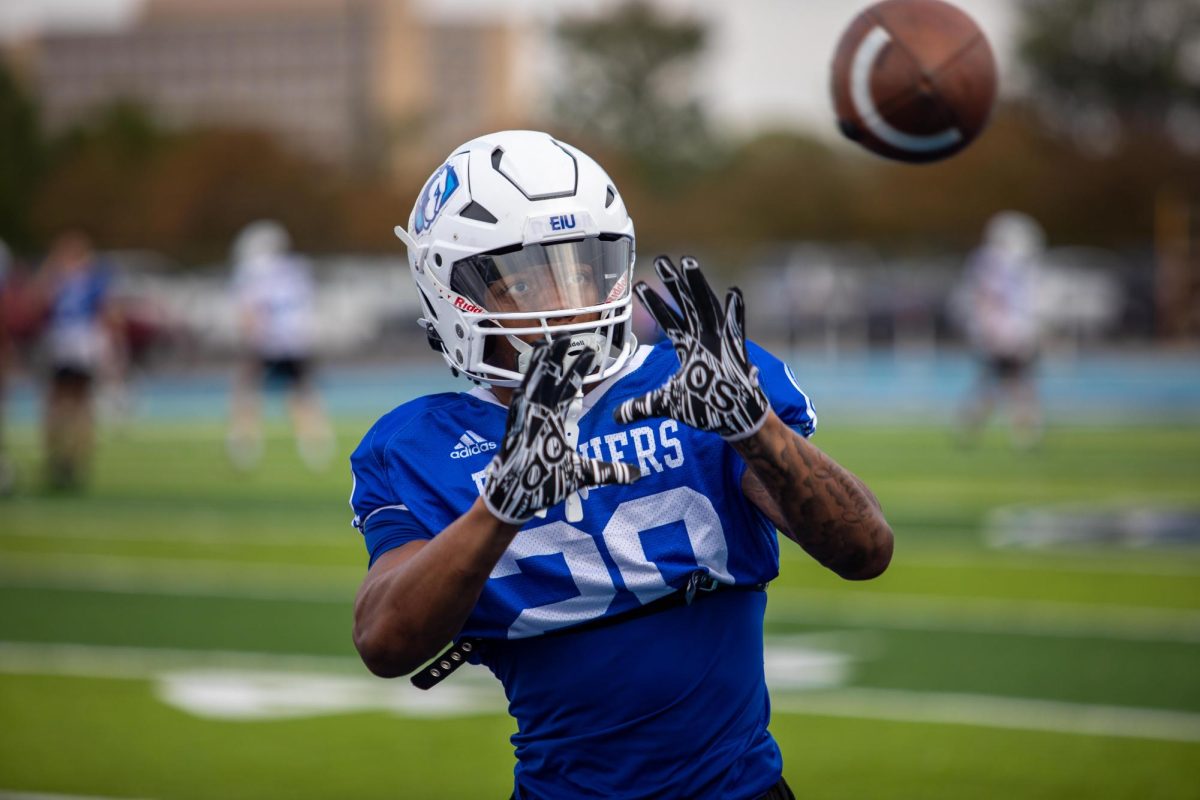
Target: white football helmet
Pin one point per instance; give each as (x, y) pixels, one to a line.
(519, 235)
(260, 239)
(1015, 233)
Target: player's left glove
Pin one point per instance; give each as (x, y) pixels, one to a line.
(716, 388)
(537, 467)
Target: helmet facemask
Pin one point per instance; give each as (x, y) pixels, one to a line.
(520, 295)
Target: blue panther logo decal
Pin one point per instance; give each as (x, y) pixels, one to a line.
(434, 197)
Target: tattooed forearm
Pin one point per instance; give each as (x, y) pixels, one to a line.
(815, 502)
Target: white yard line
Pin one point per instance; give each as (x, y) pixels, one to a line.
(989, 711)
(1182, 564)
(137, 663)
(480, 694)
(183, 577)
(209, 536)
(1116, 562)
(58, 562)
(41, 796)
(984, 615)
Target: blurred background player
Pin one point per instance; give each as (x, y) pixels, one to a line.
(1001, 294)
(79, 342)
(275, 303)
(7, 475)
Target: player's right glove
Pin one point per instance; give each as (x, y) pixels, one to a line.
(536, 467)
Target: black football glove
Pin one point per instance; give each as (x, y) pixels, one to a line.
(536, 467)
(716, 388)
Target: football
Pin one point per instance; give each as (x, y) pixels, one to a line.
(913, 80)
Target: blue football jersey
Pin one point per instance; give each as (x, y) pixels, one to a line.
(669, 704)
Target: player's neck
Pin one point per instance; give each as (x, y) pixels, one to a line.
(502, 393)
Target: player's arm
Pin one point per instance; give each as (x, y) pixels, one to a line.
(815, 501)
(417, 597)
(812, 499)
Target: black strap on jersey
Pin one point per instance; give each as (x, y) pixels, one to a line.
(699, 583)
(437, 670)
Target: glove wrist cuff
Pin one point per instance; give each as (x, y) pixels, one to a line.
(498, 514)
(746, 434)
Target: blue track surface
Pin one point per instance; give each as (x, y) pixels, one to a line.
(877, 388)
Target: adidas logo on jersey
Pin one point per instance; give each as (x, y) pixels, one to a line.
(471, 444)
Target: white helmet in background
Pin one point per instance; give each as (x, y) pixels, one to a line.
(1015, 233)
(518, 227)
(260, 239)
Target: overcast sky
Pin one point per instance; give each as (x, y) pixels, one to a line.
(768, 60)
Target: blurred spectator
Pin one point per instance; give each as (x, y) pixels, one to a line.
(275, 300)
(1003, 327)
(80, 347)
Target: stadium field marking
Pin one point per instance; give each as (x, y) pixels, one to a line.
(137, 663)
(1170, 564)
(250, 686)
(41, 796)
(185, 577)
(990, 711)
(180, 537)
(335, 584)
(281, 539)
(986, 615)
(55, 562)
(1185, 563)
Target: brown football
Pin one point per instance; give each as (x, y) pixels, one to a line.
(913, 80)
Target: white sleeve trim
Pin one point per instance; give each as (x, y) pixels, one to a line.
(397, 507)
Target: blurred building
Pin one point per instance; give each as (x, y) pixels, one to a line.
(344, 80)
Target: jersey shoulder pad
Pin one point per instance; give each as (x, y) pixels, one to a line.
(789, 401)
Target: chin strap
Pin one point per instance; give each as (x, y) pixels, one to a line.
(574, 501)
(579, 342)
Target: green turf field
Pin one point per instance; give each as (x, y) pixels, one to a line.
(183, 630)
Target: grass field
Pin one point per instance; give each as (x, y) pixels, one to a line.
(182, 631)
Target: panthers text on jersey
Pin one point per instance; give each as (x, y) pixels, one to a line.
(670, 704)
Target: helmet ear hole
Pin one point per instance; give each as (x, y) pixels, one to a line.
(428, 305)
(437, 259)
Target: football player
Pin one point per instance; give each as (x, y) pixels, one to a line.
(7, 472)
(275, 299)
(1000, 283)
(596, 520)
(81, 344)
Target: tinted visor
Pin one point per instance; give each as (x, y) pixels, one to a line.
(546, 277)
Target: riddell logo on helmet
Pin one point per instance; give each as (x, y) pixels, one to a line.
(462, 304)
(618, 289)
